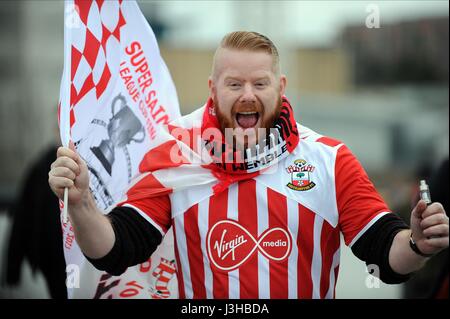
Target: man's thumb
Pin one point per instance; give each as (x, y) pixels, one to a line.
(72, 146)
(419, 209)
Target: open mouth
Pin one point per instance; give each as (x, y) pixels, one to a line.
(247, 119)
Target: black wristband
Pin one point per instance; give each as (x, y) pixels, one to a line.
(416, 249)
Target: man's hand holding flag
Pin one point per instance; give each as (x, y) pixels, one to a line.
(116, 93)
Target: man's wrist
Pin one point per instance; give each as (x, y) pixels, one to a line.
(416, 249)
(85, 206)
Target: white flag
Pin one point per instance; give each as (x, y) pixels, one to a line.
(116, 92)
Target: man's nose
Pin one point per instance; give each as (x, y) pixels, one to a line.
(248, 96)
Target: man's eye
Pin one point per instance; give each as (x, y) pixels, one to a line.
(234, 85)
(260, 85)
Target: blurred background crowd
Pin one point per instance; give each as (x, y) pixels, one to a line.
(373, 74)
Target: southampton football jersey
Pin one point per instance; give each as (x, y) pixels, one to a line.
(276, 235)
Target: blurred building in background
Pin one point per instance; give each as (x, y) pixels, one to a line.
(31, 61)
(383, 91)
(409, 52)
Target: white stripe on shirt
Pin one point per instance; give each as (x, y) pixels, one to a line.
(182, 251)
(316, 265)
(203, 225)
(232, 213)
(263, 224)
(293, 213)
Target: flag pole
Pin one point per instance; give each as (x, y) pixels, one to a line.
(69, 11)
(66, 195)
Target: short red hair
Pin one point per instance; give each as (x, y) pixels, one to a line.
(251, 41)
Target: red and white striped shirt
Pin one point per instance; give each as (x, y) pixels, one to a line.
(276, 235)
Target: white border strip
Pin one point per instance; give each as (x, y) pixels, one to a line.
(147, 218)
(368, 225)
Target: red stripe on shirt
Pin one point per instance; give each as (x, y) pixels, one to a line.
(194, 252)
(278, 269)
(179, 270)
(248, 218)
(329, 245)
(218, 206)
(357, 199)
(329, 141)
(305, 242)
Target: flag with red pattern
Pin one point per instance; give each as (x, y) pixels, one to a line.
(116, 93)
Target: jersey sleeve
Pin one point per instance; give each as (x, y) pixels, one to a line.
(154, 209)
(359, 203)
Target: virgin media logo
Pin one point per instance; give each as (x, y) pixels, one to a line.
(230, 245)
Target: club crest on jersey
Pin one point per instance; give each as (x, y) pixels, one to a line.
(230, 245)
(301, 173)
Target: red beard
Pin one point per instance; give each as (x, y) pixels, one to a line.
(227, 120)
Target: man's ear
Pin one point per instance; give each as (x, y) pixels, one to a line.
(283, 83)
(211, 87)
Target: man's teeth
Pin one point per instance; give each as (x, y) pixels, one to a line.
(247, 113)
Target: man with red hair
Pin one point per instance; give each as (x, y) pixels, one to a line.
(262, 216)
